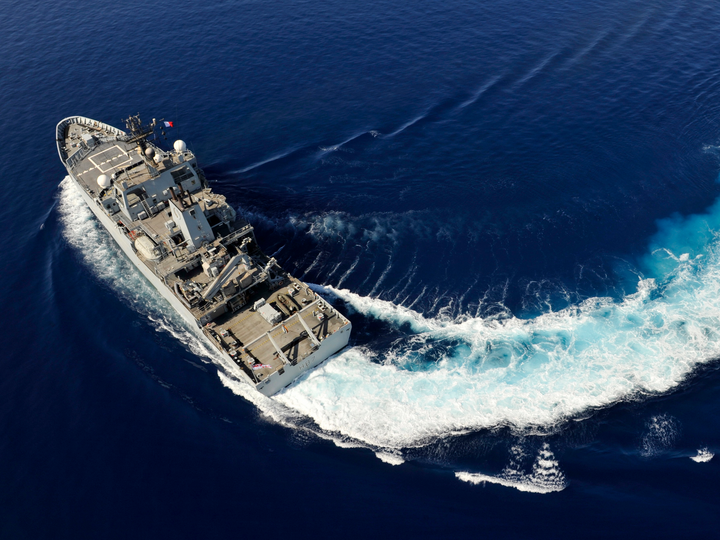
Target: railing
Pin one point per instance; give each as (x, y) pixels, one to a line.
(233, 236)
(88, 122)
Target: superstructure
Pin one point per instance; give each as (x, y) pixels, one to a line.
(198, 253)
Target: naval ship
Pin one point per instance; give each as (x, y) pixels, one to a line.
(198, 253)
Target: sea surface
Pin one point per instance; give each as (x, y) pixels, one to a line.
(516, 203)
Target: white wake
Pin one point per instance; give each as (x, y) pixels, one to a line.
(544, 477)
(527, 374)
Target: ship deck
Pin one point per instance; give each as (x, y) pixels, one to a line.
(257, 341)
(107, 157)
(258, 347)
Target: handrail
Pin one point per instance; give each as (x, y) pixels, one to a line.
(89, 122)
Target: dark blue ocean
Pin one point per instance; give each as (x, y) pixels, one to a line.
(516, 202)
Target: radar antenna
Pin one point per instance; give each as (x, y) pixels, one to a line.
(139, 132)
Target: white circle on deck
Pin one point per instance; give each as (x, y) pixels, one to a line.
(180, 146)
(103, 181)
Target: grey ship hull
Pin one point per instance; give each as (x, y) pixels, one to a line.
(274, 381)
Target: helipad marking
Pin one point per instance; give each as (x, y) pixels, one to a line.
(118, 153)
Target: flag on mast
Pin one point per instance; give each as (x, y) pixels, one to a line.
(168, 124)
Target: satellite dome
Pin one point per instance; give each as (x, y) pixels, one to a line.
(103, 181)
(180, 146)
(149, 152)
(158, 158)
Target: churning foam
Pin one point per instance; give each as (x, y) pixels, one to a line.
(545, 476)
(703, 456)
(527, 373)
(453, 376)
(521, 373)
(661, 431)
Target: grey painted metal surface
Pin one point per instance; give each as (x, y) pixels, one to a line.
(199, 255)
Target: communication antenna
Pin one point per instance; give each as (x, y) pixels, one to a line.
(139, 132)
